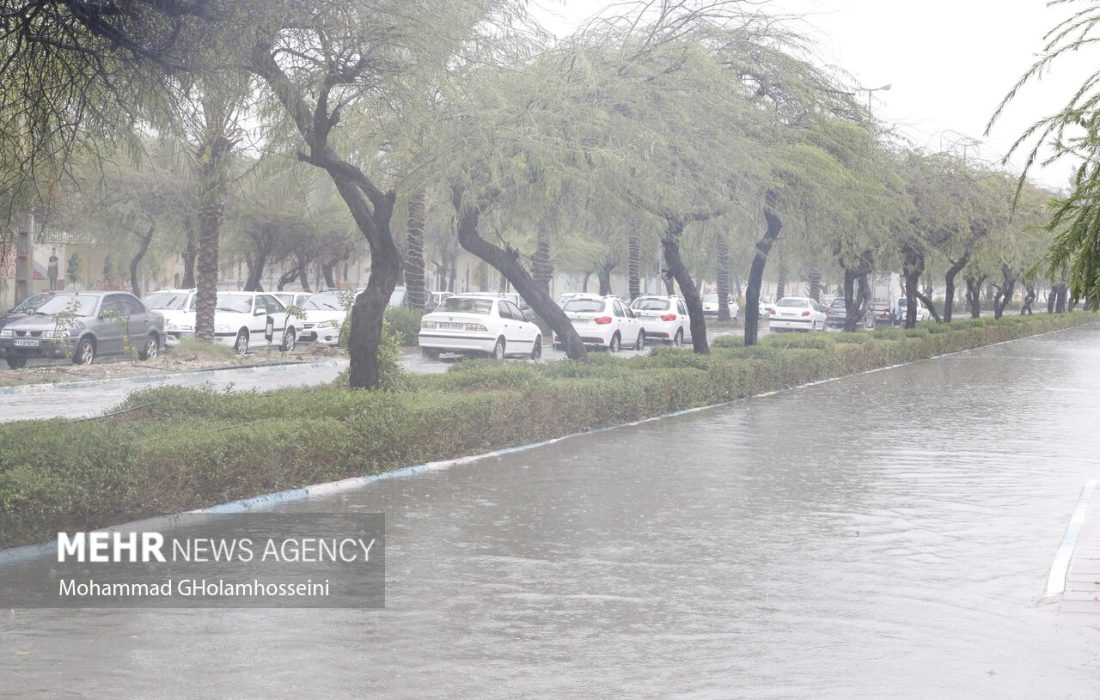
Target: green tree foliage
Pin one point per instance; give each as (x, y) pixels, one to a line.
(1071, 132)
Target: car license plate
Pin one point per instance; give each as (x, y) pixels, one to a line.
(451, 326)
(26, 342)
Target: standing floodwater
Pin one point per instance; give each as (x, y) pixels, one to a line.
(886, 535)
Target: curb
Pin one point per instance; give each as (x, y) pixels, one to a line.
(1056, 581)
(151, 378)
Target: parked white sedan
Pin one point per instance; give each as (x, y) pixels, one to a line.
(243, 320)
(663, 318)
(325, 314)
(797, 314)
(471, 325)
(710, 306)
(603, 322)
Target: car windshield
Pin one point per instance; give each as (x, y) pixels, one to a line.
(77, 304)
(167, 301)
(584, 305)
(324, 302)
(837, 304)
(237, 303)
(794, 303)
(459, 305)
(710, 298)
(30, 304)
(650, 304)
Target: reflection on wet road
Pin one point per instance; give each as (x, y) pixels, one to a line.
(885, 535)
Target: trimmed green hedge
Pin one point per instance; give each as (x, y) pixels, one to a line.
(180, 449)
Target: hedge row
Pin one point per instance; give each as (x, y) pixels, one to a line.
(179, 449)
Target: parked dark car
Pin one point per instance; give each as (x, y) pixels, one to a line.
(83, 326)
(837, 314)
(24, 308)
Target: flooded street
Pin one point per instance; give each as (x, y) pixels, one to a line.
(884, 535)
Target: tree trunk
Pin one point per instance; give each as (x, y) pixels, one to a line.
(1060, 298)
(542, 269)
(303, 277)
(634, 267)
(1029, 297)
(416, 294)
(507, 262)
(814, 275)
(912, 269)
(756, 270)
(211, 165)
(949, 286)
(781, 282)
(328, 271)
(671, 246)
(974, 294)
(1005, 291)
(288, 276)
(722, 275)
(857, 295)
(135, 286)
(603, 274)
(255, 265)
(189, 253)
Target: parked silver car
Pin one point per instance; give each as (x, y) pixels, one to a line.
(83, 326)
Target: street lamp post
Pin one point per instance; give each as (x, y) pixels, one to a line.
(882, 88)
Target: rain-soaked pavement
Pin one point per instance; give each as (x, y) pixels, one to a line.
(884, 535)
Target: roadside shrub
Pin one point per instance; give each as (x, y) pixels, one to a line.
(188, 448)
(816, 341)
(856, 338)
(193, 347)
(405, 322)
(661, 356)
(389, 355)
(728, 341)
(491, 374)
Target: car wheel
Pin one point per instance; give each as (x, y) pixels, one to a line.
(639, 344)
(290, 339)
(536, 349)
(430, 353)
(85, 352)
(613, 346)
(678, 339)
(16, 361)
(151, 349)
(498, 349)
(241, 343)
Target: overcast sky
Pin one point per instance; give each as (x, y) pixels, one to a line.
(948, 62)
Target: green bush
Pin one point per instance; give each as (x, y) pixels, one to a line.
(389, 355)
(405, 321)
(179, 449)
(728, 341)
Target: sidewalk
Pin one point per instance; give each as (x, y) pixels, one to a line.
(1082, 593)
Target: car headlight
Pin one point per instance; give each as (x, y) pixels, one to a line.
(6, 333)
(329, 324)
(55, 334)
